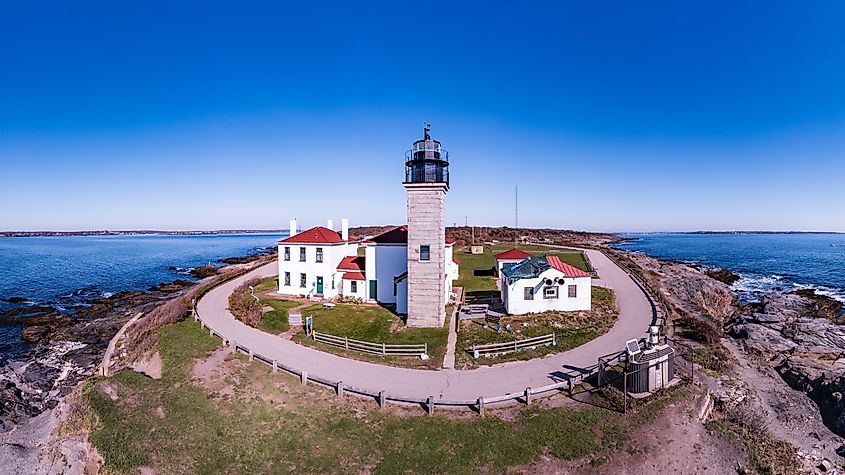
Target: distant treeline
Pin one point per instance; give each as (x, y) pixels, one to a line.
(139, 233)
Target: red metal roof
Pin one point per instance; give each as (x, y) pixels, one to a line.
(353, 276)
(512, 254)
(315, 235)
(356, 263)
(398, 235)
(455, 260)
(568, 270)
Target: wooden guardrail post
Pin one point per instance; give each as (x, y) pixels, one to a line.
(304, 378)
(570, 386)
(202, 324)
(346, 342)
(251, 355)
(340, 389)
(383, 348)
(381, 398)
(480, 404)
(527, 396)
(275, 366)
(429, 405)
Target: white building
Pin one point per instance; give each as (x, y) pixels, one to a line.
(387, 268)
(544, 283)
(511, 256)
(319, 262)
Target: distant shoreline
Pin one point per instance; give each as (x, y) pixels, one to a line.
(730, 232)
(139, 233)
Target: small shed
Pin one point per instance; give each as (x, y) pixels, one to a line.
(511, 256)
(652, 369)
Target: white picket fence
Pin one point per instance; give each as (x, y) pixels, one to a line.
(383, 349)
(512, 346)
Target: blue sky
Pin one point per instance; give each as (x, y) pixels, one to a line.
(615, 116)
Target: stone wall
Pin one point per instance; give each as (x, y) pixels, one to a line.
(426, 279)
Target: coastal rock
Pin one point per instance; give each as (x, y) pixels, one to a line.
(16, 299)
(13, 404)
(722, 275)
(35, 333)
(205, 271)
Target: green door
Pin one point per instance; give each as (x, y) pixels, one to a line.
(373, 290)
(319, 285)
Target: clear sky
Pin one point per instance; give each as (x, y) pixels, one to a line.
(612, 116)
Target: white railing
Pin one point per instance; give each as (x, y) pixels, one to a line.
(383, 349)
(512, 346)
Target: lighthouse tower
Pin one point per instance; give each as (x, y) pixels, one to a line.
(427, 181)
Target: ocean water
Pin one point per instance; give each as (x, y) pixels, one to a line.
(66, 271)
(764, 262)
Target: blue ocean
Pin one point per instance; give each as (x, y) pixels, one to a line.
(67, 271)
(764, 262)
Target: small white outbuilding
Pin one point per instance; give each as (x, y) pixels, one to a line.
(544, 283)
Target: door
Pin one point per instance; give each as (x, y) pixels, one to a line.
(319, 285)
(658, 376)
(373, 289)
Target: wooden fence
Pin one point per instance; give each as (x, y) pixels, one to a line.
(383, 349)
(512, 346)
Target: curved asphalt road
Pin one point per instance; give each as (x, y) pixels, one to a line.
(490, 381)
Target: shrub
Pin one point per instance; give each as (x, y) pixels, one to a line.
(699, 330)
(243, 306)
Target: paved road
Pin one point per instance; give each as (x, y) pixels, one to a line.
(450, 384)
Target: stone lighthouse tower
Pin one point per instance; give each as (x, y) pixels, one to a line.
(427, 181)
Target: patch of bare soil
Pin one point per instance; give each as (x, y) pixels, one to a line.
(674, 442)
(150, 366)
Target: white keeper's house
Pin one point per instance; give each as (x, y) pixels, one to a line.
(544, 283)
(322, 263)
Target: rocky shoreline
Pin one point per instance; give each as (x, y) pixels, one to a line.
(68, 348)
(786, 352)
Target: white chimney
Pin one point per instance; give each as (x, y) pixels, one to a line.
(330, 224)
(344, 229)
(292, 227)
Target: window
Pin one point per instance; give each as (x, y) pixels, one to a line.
(425, 252)
(529, 293)
(573, 291)
(287, 253)
(301, 254)
(319, 254)
(287, 278)
(302, 280)
(353, 286)
(550, 292)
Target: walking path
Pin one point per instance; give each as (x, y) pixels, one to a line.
(635, 315)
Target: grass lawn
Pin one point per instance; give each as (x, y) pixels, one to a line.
(572, 329)
(377, 325)
(241, 418)
(476, 270)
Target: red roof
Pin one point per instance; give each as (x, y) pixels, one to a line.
(356, 263)
(512, 255)
(568, 270)
(353, 276)
(455, 260)
(398, 235)
(315, 235)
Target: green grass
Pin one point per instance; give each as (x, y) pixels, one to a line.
(268, 423)
(766, 454)
(572, 329)
(267, 285)
(476, 270)
(276, 320)
(377, 325)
